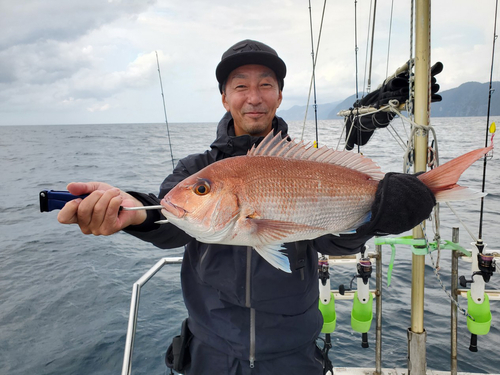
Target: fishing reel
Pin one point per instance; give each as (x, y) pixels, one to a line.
(487, 266)
(323, 271)
(364, 268)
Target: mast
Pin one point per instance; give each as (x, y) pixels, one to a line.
(416, 333)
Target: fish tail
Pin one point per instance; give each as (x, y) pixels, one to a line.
(443, 180)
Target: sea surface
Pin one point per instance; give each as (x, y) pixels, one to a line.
(65, 296)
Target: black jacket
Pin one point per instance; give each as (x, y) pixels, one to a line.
(237, 302)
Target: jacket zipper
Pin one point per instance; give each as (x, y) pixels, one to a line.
(252, 310)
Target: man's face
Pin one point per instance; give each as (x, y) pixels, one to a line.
(252, 96)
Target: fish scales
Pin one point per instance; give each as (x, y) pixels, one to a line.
(321, 195)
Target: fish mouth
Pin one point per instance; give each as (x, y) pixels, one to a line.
(170, 208)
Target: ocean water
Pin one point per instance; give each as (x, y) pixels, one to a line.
(65, 296)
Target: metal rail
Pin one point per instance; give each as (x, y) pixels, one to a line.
(134, 308)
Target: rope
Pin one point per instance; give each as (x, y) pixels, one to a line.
(438, 277)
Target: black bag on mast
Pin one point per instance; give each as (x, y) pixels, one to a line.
(359, 129)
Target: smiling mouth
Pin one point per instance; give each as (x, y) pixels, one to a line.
(255, 114)
(169, 207)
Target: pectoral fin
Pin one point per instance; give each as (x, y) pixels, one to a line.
(275, 256)
(273, 231)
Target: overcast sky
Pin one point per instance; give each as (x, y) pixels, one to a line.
(93, 61)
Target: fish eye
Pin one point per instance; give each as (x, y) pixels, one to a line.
(201, 188)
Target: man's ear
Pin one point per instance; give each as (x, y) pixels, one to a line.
(224, 102)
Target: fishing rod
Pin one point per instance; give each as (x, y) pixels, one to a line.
(356, 45)
(488, 128)
(165, 111)
(389, 41)
(356, 63)
(368, 89)
(483, 264)
(313, 75)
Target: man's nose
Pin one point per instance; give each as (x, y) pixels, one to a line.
(254, 96)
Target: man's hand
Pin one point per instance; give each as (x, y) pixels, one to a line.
(99, 213)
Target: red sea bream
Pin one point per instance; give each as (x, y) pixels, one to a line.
(284, 191)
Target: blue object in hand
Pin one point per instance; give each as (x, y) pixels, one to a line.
(55, 200)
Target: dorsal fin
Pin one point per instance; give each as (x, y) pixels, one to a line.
(281, 147)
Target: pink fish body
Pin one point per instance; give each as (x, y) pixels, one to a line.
(279, 192)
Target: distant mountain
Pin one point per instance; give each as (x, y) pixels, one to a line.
(297, 113)
(468, 99)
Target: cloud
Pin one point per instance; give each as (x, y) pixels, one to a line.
(99, 107)
(32, 21)
(75, 61)
(101, 84)
(43, 63)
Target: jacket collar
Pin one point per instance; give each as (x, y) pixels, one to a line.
(230, 144)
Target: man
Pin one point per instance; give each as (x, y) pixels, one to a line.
(246, 317)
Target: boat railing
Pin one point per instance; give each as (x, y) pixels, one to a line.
(333, 261)
(134, 309)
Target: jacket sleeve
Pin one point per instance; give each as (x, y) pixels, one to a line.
(340, 245)
(402, 201)
(165, 236)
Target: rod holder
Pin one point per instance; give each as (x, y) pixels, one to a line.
(481, 313)
(362, 314)
(329, 314)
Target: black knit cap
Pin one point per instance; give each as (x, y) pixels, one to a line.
(250, 52)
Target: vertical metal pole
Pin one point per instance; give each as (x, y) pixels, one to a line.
(378, 310)
(132, 325)
(416, 335)
(454, 287)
